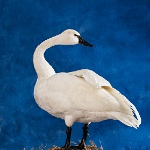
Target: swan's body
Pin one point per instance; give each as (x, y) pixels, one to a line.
(81, 96)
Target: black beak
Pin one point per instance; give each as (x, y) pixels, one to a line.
(83, 42)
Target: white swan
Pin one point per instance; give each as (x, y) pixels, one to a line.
(80, 96)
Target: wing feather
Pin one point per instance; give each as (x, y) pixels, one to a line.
(119, 107)
(91, 77)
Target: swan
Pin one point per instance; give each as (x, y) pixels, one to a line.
(78, 96)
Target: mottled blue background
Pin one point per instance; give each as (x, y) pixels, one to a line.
(120, 33)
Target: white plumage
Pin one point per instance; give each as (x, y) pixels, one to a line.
(79, 96)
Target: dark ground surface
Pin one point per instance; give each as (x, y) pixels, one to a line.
(92, 146)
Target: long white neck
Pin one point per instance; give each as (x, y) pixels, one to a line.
(42, 67)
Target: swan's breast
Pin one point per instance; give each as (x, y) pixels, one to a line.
(51, 98)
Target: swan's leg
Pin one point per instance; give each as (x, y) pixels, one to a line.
(68, 132)
(85, 132)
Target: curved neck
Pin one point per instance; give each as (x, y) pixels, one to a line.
(42, 67)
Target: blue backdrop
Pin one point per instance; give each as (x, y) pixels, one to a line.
(120, 33)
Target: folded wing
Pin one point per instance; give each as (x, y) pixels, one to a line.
(120, 107)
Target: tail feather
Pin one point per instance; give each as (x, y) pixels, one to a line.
(127, 109)
(125, 119)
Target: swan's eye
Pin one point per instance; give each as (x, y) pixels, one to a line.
(78, 36)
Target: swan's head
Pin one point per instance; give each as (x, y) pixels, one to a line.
(71, 37)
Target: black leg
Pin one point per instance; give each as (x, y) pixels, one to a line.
(68, 132)
(85, 132)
